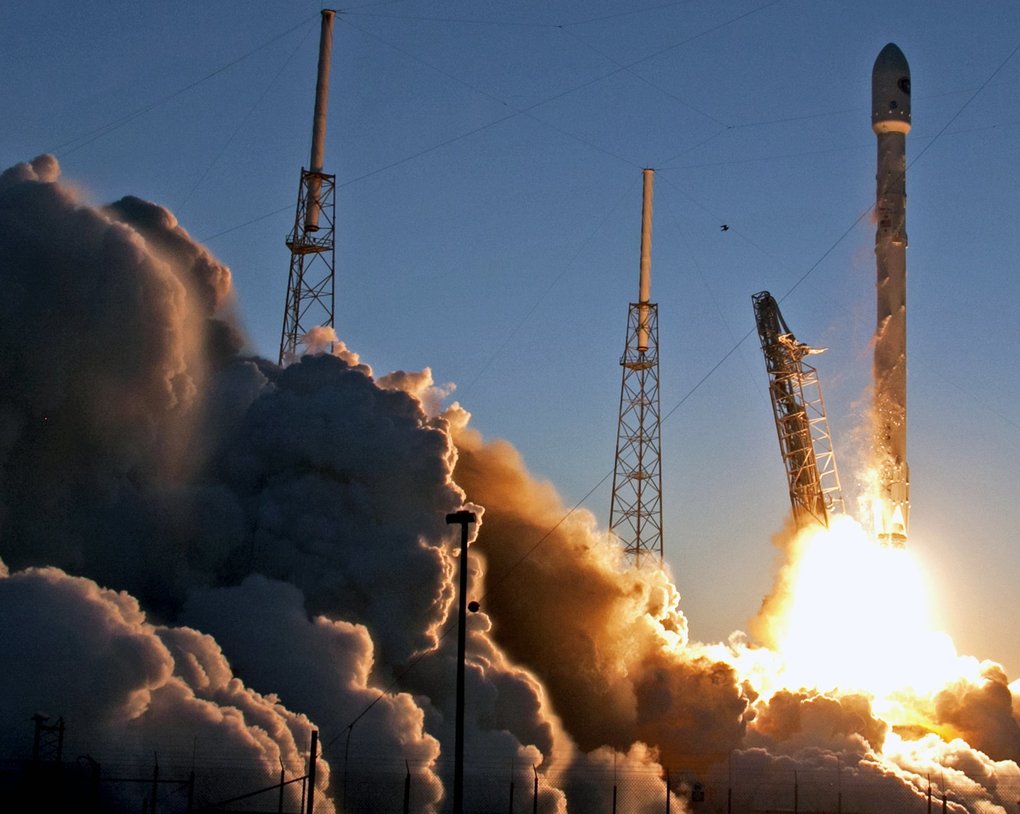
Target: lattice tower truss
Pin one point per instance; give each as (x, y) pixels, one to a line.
(636, 513)
(801, 422)
(310, 284)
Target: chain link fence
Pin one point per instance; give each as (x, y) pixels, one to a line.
(172, 784)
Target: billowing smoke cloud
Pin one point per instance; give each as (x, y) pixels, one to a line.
(601, 636)
(211, 555)
(307, 532)
(795, 720)
(982, 714)
(104, 357)
(123, 684)
(320, 664)
(339, 480)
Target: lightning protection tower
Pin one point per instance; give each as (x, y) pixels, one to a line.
(635, 515)
(310, 297)
(801, 422)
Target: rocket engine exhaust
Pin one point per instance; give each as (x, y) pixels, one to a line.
(890, 119)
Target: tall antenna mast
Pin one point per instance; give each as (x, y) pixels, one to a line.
(310, 297)
(635, 515)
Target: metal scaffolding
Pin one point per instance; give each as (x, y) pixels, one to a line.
(636, 513)
(801, 423)
(310, 294)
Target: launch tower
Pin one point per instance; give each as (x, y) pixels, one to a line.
(635, 515)
(801, 422)
(310, 295)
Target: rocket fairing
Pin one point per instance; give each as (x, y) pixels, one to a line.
(890, 92)
(890, 119)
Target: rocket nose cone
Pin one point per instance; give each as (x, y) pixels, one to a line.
(890, 92)
(891, 58)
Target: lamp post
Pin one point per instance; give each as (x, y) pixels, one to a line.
(464, 519)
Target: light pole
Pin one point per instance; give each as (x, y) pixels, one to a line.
(464, 519)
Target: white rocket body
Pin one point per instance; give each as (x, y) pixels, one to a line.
(890, 119)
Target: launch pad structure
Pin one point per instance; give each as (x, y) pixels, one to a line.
(801, 421)
(310, 284)
(635, 515)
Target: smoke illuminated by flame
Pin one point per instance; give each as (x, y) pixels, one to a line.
(854, 615)
(312, 527)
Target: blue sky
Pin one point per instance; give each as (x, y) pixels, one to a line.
(488, 161)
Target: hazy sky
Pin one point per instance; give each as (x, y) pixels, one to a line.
(488, 161)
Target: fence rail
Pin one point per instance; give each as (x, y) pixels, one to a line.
(86, 787)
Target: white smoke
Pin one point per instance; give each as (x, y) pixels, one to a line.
(298, 515)
(211, 554)
(127, 688)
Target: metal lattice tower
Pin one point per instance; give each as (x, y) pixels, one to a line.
(310, 295)
(308, 313)
(48, 745)
(635, 515)
(801, 421)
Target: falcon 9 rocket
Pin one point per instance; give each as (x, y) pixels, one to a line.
(890, 119)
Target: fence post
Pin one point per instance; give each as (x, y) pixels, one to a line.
(839, 786)
(96, 794)
(729, 785)
(312, 752)
(407, 789)
(283, 777)
(155, 781)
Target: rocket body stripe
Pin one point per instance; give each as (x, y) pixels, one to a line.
(890, 118)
